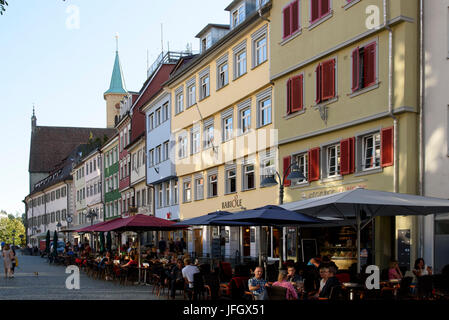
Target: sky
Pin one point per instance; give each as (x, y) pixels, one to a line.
(58, 55)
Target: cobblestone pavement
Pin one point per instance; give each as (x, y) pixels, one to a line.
(50, 282)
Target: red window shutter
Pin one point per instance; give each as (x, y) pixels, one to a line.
(287, 162)
(314, 164)
(296, 93)
(344, 157)
(369, 66)
(328, 80)
(318, 72)
(355, 69)
(324, 7)
(294, 16)
(287, 22)
(289, 96)
(351, 155)
(387, 147)
(315, 10)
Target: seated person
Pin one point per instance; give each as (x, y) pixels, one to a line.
(394, 273)
(187, 273)
(132, 262)
(175, 278)
(328, 281)
(326, 260)
(292, 276)
(421, 269)
(257, 285)
(282, 282)
(315, 261)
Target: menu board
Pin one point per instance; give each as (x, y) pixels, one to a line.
(253, 234)
(404, 248)
(216, 249)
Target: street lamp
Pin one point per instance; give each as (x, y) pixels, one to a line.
(294, 176)
(91, 215)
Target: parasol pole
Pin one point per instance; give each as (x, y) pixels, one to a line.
(138, 250)
(358, 237)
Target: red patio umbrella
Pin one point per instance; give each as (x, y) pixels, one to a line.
(93, 228)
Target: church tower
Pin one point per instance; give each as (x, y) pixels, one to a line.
(115, 93)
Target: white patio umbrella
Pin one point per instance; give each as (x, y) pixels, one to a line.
(351, 204)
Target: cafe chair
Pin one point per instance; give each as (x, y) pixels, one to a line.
(276, 293)
(225, 271)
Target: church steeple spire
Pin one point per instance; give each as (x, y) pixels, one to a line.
(117, 80)
(33, 121)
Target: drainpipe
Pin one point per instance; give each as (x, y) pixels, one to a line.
(421, 123)
(26, 215)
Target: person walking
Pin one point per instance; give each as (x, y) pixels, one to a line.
(7, 255)
(13, 261)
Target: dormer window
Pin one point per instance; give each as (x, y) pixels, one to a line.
(206, 42)
(238, 15)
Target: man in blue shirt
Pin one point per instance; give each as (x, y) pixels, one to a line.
(257, 285)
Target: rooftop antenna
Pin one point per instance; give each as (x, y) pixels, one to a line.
(162, 38)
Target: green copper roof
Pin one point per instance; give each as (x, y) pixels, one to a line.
(117, 84)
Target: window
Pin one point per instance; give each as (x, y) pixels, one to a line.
(151, 122)
(95, 165)
(325, 81)
(52, 196)
(319, 9)
(290, 19)
(208, 136)
(333, 161)
(187, 192)
(191, 91)
(302, 162)
(166, 150)
(58, 215)
(167, 193)
(151, 158)
(175, 192)
(265, 111)
(248, 177)
(261, 51)
(213, 185)
(58, 194)
(260, 3)
(165, 111)
(199, 188)
(63, 192)
(267, 168)
(371, 151)
(240, 68)
(245, 120)
(52, 217)
(205, 86)
(238, 16)
(223, 75)
(227, 128)
(182, 147)
(159, 196)
(195, 140)
(158, 154)
(206, 42)
(158, 117)
(231, 182)
(144, 198)
(179, 102)
(295, 94)
(364, 67)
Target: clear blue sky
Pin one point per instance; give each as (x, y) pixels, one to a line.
(45, 59)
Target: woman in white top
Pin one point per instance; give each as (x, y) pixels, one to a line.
(7, 255)
(421, 269)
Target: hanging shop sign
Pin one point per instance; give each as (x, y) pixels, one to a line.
(234, 203)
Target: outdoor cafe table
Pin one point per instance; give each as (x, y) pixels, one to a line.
(353, 289)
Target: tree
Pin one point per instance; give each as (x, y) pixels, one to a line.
(3, 4)
(7, 225)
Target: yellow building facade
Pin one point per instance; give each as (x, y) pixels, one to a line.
(346, 91)
(222, 126)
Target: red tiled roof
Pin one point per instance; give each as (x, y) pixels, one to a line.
(50, 145)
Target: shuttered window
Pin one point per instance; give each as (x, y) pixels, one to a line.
(387, 147)
(347, 156)
(314, 164)
(364, 66)
(295, 94)
(290, 15)
(318, 9)
(286, 170)
(325, 81)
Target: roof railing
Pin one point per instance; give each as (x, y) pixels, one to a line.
(167, 58)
